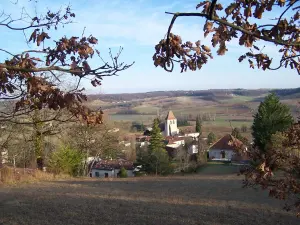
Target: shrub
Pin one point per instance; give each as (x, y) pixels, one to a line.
(123, 173)
(66, 160)
(140, 174)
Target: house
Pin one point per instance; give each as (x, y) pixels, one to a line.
(4, 157)
(193, 135)
(111, 168)
(171, 125)
(226, 148)
(193, 149)
(142, 140)
(174, 142)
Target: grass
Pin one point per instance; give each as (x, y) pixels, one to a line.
(225, 123)
(191, 199)
(217, 168)
(138, 118)
(238, 99)
(146, 109)
(10, 176)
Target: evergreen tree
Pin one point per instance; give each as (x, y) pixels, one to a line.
(158, 159)
(272, 116)
(156, 141)
(211, 138)
(199, 125)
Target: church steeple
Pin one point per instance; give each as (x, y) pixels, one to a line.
(171, 124)
(170, 116)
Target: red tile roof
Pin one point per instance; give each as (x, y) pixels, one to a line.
(228, 142)
(170, 116)
(171, 140)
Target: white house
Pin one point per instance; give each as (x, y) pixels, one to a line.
(193, 149)
(193, 135)
(111, 168)
(226, 148)
(171, 125)
(174, 142)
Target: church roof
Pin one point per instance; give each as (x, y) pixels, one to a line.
(170, 116)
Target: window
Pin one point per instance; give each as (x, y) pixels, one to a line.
(97, 174)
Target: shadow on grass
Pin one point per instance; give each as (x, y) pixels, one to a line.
(174, 200)
(72, 209)
(216, 168)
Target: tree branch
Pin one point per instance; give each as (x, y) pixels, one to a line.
(235, 27)
(110, 72)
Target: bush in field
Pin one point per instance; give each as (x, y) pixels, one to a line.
(123, 172)
(66, 160)
(211, 138)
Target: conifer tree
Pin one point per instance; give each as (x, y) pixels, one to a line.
(157, 155)
(272, 116)
(199, 125)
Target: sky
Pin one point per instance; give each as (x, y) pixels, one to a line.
(137, 26)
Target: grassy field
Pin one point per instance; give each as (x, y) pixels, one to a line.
(192, 199)
(217, 168)
(238, 109)
(138, 118)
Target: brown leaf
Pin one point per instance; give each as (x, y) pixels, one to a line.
(41, 37)
(208, 26)
(251, 63)
(33, 36)
(215, 40)
(205, 48)
(93, 40)
(259, 11)
(230, 8)
(219, 6)
(222, 49)
(247, 12)
(86, 66)
(201, 4)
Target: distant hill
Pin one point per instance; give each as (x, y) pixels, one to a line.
(212, 94)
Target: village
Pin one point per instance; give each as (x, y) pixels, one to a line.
(226, 149)
(149, 112)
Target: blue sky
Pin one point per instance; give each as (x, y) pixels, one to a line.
(138, 25)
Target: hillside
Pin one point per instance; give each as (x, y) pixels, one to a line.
(222, 109)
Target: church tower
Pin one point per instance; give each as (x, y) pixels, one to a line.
(171, 125)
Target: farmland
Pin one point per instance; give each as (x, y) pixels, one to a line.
(192, 199)
(227, 108)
